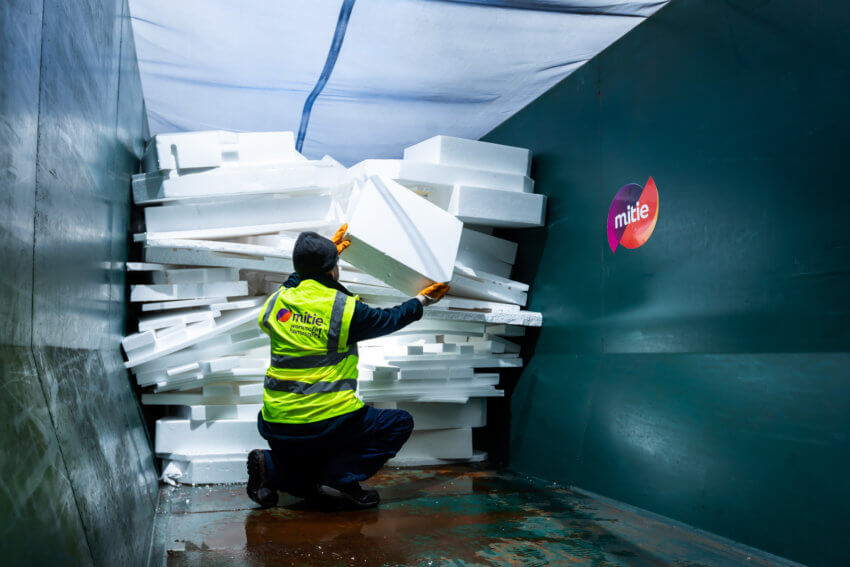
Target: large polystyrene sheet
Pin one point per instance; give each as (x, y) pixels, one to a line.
(405, 70)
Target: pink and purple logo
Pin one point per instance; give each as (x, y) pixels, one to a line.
(283, 315)
(632, 216)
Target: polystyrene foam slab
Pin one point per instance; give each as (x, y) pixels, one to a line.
(195, 275)
(226, 344)
(439, 443)
(148, 267)
(307, 177)
(205, 469)
(523, 318)
(214, 148)
(181, 435)
(476, 242)
(172, 292)
(447, 150)
(138, 341)
(196, 399)
(430, 176)
(482, 262)
(225, 323)
(155, 322)
(476, 205)
(215, 253)
(274, 212)
(225, 411)
(445, 416)
(181, 304)
(466, 285)
(399, 238)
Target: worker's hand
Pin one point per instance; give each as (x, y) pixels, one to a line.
(433, 293)
(338, 239)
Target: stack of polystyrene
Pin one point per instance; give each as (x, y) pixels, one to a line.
(217, 204)
(222, 213)
(480, 183)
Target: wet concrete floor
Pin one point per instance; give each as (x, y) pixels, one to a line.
(432, 516)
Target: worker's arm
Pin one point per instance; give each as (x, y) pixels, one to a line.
(373, 322)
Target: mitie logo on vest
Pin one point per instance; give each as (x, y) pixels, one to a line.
(632, 216)
(308, 324)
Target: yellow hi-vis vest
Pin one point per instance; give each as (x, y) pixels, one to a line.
(313, 372)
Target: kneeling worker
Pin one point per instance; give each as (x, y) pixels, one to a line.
(323, 439)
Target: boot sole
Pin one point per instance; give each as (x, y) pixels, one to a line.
(257, 480)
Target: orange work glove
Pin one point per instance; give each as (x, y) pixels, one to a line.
(433, 293)
(338, 239)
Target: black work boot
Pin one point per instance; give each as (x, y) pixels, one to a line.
(351, 496)
(260, 489)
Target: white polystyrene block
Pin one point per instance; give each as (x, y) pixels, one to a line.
(307, 177)
(238, 304)
(465, 357)
(223, 363)
(224, 411)
(148, 267)
(524, 318)
(447, 150)
(430, 177)
(477, 242)
(250, 214)
(436, 348)
(174, 333)
(236, 341)
(173, 292)
(440, 443)
(443, 327)
(248, 390)
(476, 205)
(214, 148)
(224, 324)
(482, 262)
(138, 340)
(181, 304)
(178, 435)
(205, 469)
(465, 285)
(215, 253)
(399, 238)
(507, 346)
(446, 416)
(155, 322)
(217, 391)
(506, 330)
(195, 275)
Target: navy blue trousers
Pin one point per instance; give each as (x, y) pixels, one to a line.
(334, 452)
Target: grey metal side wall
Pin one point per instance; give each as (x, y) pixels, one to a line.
(706, 375)
(77, 476)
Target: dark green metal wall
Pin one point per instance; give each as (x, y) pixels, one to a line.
(77, 478)
(706, 375)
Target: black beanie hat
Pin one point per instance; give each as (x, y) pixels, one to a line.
(314, 254)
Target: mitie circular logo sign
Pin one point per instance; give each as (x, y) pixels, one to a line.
(632, 216)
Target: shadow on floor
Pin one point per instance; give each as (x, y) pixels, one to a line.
(433, 516)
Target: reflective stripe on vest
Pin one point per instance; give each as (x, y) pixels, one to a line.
(313, 372)
(311, 361)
